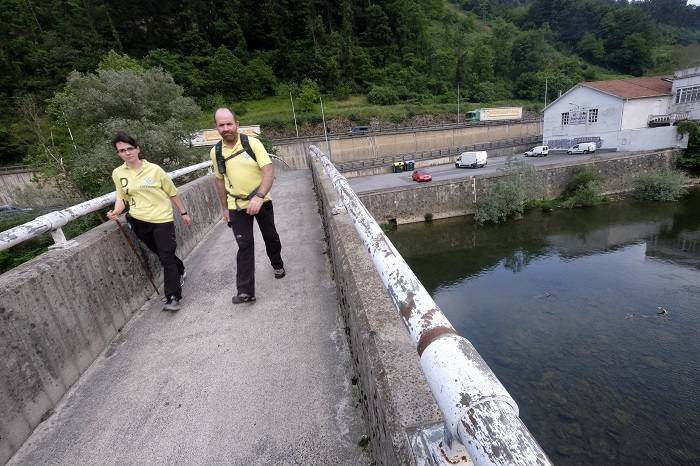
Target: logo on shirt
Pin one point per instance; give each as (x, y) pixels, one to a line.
(148, 181)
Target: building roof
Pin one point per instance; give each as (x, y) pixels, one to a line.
(634, 88)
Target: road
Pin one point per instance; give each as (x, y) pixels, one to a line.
(364, 184)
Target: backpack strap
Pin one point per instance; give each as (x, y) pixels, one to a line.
(221, 164)
(246, 146)
(221, 160)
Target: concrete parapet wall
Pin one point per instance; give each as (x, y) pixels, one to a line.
(451, 198)
(346, 149)
(394, 394)
(60, 310)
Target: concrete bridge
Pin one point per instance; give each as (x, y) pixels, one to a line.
(320, 370)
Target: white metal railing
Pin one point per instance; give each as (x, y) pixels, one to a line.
(667, 118)
(477, 408)
(53, 221)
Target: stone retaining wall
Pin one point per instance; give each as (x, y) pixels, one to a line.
(395, 396)
(451, 198)
(61, 309)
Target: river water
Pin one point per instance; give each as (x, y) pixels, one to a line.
(589, 317)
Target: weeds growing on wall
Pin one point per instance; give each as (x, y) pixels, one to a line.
(507, 198)
(583, 190)
(504, 200)
(663, 185)
(520, 190)
(691, 159)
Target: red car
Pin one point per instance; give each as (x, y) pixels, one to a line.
(421, 175)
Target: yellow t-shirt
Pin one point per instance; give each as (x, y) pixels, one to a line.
(147, 192)
(243, 174)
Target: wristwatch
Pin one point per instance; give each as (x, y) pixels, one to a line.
(260, 195)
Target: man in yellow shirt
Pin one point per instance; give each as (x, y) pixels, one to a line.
(244, 192)
(149, 191)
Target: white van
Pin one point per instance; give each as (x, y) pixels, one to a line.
(537, 151)
(582, 148)
(471, 159)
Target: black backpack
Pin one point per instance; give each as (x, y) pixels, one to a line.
(221, 161)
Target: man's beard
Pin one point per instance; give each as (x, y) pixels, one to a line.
(230, 137)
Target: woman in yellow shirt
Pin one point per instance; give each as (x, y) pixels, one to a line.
(148, 191)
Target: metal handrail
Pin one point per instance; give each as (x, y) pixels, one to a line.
(53, 221)
(477, 408)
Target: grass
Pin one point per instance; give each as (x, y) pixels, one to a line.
(276, 111)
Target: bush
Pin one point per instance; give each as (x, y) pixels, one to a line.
(342, 91)
(584, 189)
(504, 200)
(309, 94)
(382, 95)
(665, 185)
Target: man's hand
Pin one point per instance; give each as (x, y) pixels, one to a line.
(254, 206)
(112, 215)
(186, 219)
(226, 219)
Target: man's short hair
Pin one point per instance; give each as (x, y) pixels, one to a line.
(235, 118)
(122, 136)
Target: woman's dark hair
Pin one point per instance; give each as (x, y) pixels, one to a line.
(122, 136)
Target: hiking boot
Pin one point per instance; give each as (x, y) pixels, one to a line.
(242, 298)
(279, 273)
(182, 279)
(172, 304)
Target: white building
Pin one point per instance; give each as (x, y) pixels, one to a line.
(686, 93)
(624, 114)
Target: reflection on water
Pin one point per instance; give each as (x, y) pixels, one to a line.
(568, 310)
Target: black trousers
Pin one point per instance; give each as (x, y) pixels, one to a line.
(160, 238)
(242, 225)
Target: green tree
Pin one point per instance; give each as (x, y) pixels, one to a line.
(627, 33)
(118, 61)
(529, 52)
(591, 47)
(93, 106)
(309, 93)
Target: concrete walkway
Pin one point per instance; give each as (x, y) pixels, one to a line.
(266, 383)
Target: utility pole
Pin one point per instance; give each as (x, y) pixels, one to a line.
(294, 113)
(458, 103)
(325, 131)
(545, 93)
(545, 106)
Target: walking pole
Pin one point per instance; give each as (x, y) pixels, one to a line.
(133, 248)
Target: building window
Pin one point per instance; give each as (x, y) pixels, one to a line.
(565, 119)
(688, 94)
(593, 115)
